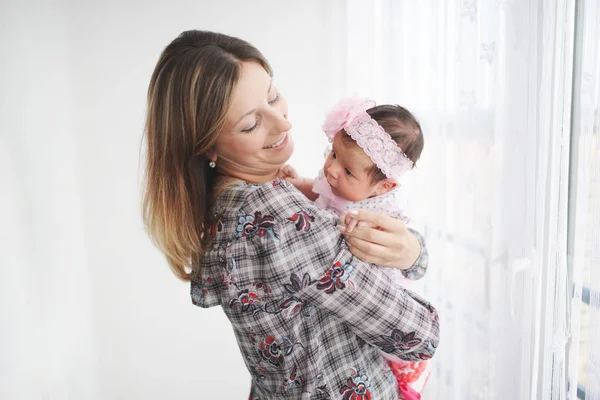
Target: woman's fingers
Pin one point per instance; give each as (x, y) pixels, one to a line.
(382, 238)
(379, 239)
(366, 258)
(350, 222)
(376, 218)
(369, 252)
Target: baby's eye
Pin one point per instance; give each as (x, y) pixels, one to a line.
(348, 172)
(333, 154)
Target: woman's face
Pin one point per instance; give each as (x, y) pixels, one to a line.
(255, 141)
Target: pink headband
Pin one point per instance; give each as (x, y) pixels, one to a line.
(350, 114)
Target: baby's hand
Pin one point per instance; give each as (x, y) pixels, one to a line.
(349, 222)
(286, 172)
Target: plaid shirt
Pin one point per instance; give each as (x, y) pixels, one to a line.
(309, 317)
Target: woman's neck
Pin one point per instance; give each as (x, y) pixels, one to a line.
(248, 178)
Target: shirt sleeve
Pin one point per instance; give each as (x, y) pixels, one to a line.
(310, 254)
(419, 268)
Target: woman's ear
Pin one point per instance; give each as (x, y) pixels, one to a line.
(384, 186)
(212, 155)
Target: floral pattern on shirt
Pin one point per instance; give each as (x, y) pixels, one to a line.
(286, 281)
(258, 224)
(356, 387)
(398, 341)
(274, 350)
(302, 219)
(337, 278)
(293, 304)
(294, 380)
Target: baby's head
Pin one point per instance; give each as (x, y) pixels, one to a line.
(352, 174)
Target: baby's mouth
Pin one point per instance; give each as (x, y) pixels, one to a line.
(333, 188)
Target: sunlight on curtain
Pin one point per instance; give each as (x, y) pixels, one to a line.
(490, 82)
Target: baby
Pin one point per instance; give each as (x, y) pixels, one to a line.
(371, 148)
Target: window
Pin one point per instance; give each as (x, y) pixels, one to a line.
(584, 207)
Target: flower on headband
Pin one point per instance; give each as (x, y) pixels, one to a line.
(343, 113)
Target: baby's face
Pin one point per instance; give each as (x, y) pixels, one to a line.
(347, 171)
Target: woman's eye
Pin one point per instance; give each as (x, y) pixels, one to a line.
(253, 128)
(348, 171)
(275, 100)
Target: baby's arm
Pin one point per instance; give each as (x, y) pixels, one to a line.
(304, 185)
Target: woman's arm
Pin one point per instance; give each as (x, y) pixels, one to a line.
(393, 319)
(307, 247)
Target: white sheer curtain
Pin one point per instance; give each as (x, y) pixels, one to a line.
(490, 81)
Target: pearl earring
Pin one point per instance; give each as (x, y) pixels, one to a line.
(212, 164)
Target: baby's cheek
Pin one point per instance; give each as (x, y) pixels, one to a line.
(355, 192)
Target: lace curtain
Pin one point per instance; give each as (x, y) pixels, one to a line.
(491, 83)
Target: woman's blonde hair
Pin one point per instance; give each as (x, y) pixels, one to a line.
(188, 99)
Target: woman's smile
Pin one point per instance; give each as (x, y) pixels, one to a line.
(280, 144)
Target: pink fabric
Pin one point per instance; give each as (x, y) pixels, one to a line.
(342, 114)
(411, 376)
(408, 393)
(350, 114)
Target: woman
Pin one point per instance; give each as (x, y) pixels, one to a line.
(308, 314)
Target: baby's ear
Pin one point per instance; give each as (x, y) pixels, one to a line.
(385, 186)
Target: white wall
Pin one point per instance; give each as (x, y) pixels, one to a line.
(89, 309)
(46, 343)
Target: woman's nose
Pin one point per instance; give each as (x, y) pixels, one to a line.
(280, 123)
(284, 124)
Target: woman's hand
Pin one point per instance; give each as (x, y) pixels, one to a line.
(377, 238)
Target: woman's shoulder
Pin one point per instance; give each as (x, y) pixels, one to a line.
(274, 210)
(274, 198)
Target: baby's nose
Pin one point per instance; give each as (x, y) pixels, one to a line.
(332, 172)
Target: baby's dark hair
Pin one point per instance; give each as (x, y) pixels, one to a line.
(403, 128)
